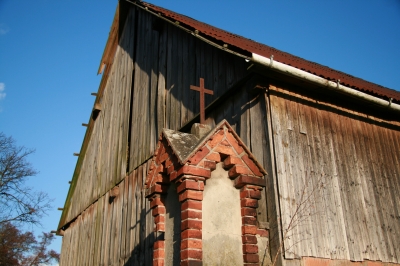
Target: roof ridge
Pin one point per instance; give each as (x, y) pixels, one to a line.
(251, 46)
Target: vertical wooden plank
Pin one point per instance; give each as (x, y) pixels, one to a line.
(121, 247)
(128, 229)
(371, 251)
(271, 190)
(118, 221)
(161, 89)
(135, 221)
(209, 73)
(391, 184)
(145, 110)
(153, 125)
(279, 118)
(383, 192)
(192, 76)
(185, 78)
(340, 141)
(106, 231)
(169, 71)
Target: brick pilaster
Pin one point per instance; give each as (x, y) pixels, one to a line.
(249, 195)
(191, 195)
(158, 211)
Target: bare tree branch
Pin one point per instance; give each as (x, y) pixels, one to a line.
(18, 203)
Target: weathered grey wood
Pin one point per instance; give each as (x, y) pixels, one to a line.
(161, 87)
(148, 84)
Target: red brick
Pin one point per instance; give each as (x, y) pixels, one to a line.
(158, 262)
(159, 219)
(191, 204)
(224, 150)
(168, 163)
(255, 194)
(263, 232)
(191, 263)
(252, 203)
(250, 258)
(253, 167)
(238, 170)
(249, 239)
(248, 212)
(164, 157)
(192, 224)
(249, 220)
(190, 184)
(246, 180)
(191, 233)
(199, 155)
(192, 214)
(376, 263)
(248, 248)
(232, 140)
(158, 210)
(193, 170)
(249, 229)
(191, 243)
(210, 165)
(214, 157)
(231, 161)
(191, 254)
(159, 244)
(159, 152)
(249, 193)
(191, 194)
(161, 169)
(160, 227)
(158, 189)
(170, 170)
(156, 202)
(320, 262)
(225, 143)
(161, 179)
(158, 253)
(173, 175)
(244, 193)
(215, 139)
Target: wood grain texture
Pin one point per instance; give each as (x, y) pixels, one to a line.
(352, 159)
(104, 234)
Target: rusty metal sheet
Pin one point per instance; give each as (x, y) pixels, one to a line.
(265, 50)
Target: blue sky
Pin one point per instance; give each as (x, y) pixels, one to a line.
(50, 52)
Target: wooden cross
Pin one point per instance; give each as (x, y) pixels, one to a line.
(202, 90)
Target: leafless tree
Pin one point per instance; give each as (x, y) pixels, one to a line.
(18, 203)
(23, 249)
(305, 208)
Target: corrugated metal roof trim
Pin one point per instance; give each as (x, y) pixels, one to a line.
(286, 58)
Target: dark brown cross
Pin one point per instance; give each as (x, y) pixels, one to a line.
(202, 90)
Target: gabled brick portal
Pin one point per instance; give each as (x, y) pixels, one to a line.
(188, 161)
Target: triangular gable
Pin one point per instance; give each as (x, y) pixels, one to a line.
(180, 153)
(188, 160)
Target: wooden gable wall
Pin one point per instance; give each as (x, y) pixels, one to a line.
(148, 89)
(346, 164)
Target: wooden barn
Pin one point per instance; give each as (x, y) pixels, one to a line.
(204, 147)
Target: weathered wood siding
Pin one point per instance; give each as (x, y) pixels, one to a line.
(157, 73)
(346, 169)
(105, 161)
(353, 215)
(114, 230)
(148, 88)
(169, 60)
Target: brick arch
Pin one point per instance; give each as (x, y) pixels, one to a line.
(189, 169)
